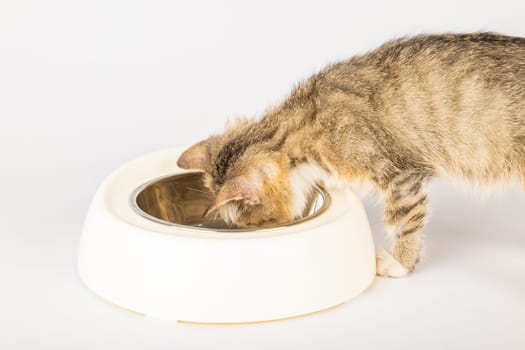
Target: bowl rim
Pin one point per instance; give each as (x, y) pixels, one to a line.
(325, 195)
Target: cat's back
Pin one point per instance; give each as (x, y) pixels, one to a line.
(443, 71)
(459, 99)
(451, 48)
(455, 100)
(493, 61)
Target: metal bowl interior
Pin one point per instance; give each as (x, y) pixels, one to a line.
(181, 200)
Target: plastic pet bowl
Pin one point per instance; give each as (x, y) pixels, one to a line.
(146, 247)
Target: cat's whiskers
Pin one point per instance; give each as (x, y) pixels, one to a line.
(196, 190)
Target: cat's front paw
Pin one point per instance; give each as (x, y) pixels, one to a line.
(387, 266)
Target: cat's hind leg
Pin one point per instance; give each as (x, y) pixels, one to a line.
(405, 213)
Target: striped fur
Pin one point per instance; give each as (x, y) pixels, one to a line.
(410, 110)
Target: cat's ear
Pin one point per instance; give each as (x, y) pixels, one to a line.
(237, 189)
(197, 156)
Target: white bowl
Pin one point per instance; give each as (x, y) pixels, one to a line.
(142, 263)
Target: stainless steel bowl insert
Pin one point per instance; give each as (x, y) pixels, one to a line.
(181, 200)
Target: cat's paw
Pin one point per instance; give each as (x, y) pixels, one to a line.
(387, 266)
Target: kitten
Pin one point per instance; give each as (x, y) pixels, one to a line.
(395, 117)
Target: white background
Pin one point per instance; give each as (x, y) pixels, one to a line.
(86, 86)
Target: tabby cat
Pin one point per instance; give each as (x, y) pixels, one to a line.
(431, 105)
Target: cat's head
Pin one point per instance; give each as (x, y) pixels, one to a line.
(252, 187)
